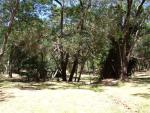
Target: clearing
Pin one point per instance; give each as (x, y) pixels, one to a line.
(60, 97)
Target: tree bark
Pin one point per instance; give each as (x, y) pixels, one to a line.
(74, 68)
(64, 57)
(64, 63)
(11, 21)
(117, 61)
(10, 66)
(10, 70)
(81, 70)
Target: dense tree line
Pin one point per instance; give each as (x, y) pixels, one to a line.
(64, 38)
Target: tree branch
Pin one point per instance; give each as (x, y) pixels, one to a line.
(58, 2)
(129, 5)
(140, 8)
(81, 3)
(10, 24)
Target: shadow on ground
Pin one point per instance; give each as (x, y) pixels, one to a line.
(141, 80)
(52, 85)
(5, 96)
(60, 85)
(144, 95)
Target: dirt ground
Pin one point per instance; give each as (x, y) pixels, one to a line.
(53, 97)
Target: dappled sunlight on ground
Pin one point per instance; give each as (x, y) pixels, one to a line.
(82, 97)
(60, 101)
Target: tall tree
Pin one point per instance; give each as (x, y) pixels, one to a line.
(130, 29)
(13, 11)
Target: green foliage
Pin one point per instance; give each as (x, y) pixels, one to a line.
(143, 47)
(35, 34)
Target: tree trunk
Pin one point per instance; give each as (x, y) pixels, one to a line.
(81, 70)
(7, 33)
(42, 71)
(64, 63)
(74, 68)
(10, 70)
(116, 63)
(11, 61)
(124, 72)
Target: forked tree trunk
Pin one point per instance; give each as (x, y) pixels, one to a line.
(74, 68)
(81, 70)
(64, 63)
(117, 61)
(64, 56)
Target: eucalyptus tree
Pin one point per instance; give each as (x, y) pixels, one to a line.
(28, 42)
(8, 14)
(127, 27)
(61, 54)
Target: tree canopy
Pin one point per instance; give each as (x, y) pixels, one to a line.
(74, 36)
